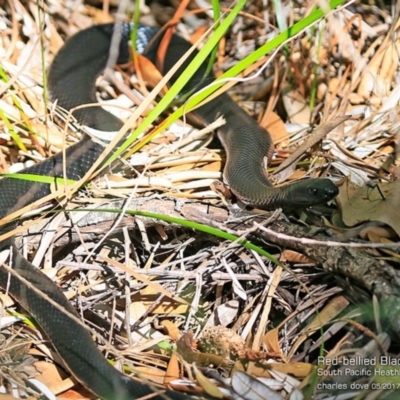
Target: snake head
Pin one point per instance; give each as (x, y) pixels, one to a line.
(301, 194)
(314, 191)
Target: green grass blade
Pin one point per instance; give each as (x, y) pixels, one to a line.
(196, 226)
(197, 98)
(274, 43)
(39, 178)
(176, 88)
(14, 135)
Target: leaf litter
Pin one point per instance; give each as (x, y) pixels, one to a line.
(285, 320)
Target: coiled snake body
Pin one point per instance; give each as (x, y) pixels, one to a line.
(72, 83)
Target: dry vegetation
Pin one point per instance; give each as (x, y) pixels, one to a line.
(218, 303)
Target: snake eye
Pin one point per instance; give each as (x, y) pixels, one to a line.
(314, 191)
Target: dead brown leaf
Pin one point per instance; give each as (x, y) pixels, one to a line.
(271, 340)
(277, 129)
(297, 369)
(173, 371)
(379, 203)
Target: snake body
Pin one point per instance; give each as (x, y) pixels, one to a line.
(71, 81)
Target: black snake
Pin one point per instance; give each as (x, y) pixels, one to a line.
(72, 83)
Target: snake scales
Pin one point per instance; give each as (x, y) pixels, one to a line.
(72, 83)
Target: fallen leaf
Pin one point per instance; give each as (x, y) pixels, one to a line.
(277, 130)
(379, 203)
(150, 73)
(271, 340)
(208, 386)
(297, 369)
(173, 371)
(296, 106)
(172, 330)
(250, 388)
